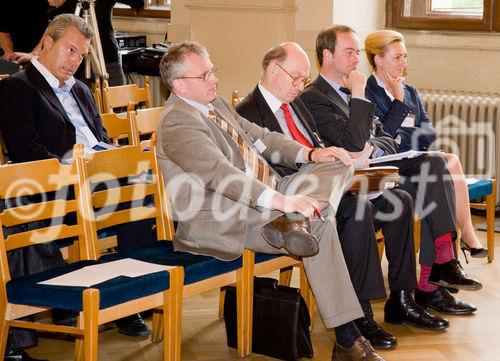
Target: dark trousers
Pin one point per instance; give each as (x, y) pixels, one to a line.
(435, 196)
(357, 220)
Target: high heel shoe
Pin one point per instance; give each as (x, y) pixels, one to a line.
(480, 252)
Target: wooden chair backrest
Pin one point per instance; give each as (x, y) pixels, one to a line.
(146, 121)
(121, 96)
(235, 98)
(120, 126)
(141, 170)
(36, 197)
(97, 93)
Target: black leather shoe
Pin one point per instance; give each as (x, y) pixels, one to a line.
(372, 331)
(442, 300)
(401, 308)
(133, 326)
(452, 275)
(291, 231)
(15, 354)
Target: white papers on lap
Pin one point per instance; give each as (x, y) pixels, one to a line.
(92, 275)
(400, 156)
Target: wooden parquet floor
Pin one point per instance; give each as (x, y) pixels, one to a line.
(475, 337)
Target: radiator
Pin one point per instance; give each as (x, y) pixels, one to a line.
(467, 124)
(159, 92)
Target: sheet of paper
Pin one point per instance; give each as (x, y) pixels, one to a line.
(83, 277)
(129, 267)
(92, 275)
(399, 156)
(471, 180)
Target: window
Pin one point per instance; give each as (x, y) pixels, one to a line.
(444, 14)
(152, 8)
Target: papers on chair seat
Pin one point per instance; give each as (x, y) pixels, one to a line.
(472, 180)
(92, 275)
(404, 155)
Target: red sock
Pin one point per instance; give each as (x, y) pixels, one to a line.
(444, 249)
(423, 282)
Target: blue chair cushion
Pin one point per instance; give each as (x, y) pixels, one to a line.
(480, 189)
(26, 290)
(196, 267)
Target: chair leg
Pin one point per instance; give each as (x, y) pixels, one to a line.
(79, 340)
(306, 292)
(157, 326)
(4, 331)
(286, 276)
(416, 234)
(490, 221)
(222, 297)
(90, 323)
(172, 316)
(244, 300)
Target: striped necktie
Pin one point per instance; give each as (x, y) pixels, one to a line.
(259, 167)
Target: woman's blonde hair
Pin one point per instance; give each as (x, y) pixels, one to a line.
(376, 43)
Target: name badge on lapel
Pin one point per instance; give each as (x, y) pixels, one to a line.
(259, 144)
(409, 121)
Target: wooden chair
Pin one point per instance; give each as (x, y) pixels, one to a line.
(145, 122)
(486, 188)
(201, 273)
(120, 128)
(121, 96)
(53, 219)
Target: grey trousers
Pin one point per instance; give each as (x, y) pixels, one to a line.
(327, 272)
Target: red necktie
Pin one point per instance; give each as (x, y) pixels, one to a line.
(292, 127)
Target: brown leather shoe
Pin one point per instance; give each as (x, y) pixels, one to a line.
(291, 231)
(360, 351)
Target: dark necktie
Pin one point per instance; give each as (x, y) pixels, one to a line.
(261, 169)
(345, 90)
(292, 127)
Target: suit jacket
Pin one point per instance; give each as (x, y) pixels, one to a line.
(215, 200)
(342, 125)
(34, 124)
(392, 113)
(255, 108)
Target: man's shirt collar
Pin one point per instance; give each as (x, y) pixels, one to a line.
(273, 102)
(201, 107)
(51, 79)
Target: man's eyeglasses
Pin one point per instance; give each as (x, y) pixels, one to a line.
(205, 76)
(296, 81)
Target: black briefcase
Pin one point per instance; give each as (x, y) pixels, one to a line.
(280, 321)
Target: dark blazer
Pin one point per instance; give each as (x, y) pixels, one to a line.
(34, 124)
(341, 125)
(255, 109)
(392, 114)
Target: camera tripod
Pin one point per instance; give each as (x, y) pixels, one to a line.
(95, 59)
